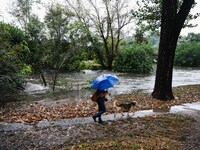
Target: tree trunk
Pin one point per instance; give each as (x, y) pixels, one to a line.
(171, 25)
(43, 78)
(54, 80)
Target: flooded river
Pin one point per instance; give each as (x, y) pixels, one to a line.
(77, 85)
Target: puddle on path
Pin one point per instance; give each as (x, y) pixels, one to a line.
(189, 108)
(182, 109)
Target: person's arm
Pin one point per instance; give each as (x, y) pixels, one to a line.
(103, 94)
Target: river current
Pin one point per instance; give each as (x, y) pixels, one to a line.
(77, 85)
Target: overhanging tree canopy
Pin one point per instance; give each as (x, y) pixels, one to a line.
(148, 14)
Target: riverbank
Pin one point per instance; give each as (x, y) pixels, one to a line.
(171, 131)
(63, 109)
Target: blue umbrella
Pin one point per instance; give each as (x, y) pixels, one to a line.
(104, 81)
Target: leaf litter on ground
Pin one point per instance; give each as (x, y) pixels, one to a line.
(157, 132)
(37, 111)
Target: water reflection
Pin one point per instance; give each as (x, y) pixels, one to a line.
(75, 85)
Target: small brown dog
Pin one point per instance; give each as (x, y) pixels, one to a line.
(123, 107)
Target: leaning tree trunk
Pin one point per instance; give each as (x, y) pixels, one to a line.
(43, 78)
(171, 25)
(55, 79)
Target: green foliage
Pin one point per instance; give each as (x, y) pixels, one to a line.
(139, 36)
(135, 59)
(27, 70)
(37, 43)
(149, 14)
(13, 53)
(73, 65)
(188, 54)
(90, 64)
(82, 48)
(57, 22)
(192, 37)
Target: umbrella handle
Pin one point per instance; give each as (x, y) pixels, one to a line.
(102, 95)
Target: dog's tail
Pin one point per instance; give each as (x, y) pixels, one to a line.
(134, 103)
(115, 103)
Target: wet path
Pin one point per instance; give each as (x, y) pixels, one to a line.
(188, 108)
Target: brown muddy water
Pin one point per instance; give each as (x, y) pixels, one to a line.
(77, 85)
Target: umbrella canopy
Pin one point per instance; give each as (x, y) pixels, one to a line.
(104, 81)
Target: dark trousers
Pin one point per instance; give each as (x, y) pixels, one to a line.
(101, 109)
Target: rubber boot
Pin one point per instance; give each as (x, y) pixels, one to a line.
(100, 120)
(94, 118)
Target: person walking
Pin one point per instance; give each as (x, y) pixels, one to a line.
(102, 83)
(100, 99)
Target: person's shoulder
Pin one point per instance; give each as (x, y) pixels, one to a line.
(100, 91)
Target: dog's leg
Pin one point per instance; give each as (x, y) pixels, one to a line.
(120, 113)
(114, 115)
(127, 114)
(132, 114)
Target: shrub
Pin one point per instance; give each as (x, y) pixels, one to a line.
(13, 53)
(135, 59)
(188, 54)
(91, 64)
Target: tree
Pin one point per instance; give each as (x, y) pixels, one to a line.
(172, 22)
(148, 15)
(192, 37)
(104, 22)
(21, 10)
(57, 21)
(37, 45)
(139, 36)
(13, 53)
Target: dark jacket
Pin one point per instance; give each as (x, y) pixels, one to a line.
(101, 101)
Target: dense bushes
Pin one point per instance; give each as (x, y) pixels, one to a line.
(135, 59)
(188, 54)
(10, 81)
(13, 52)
